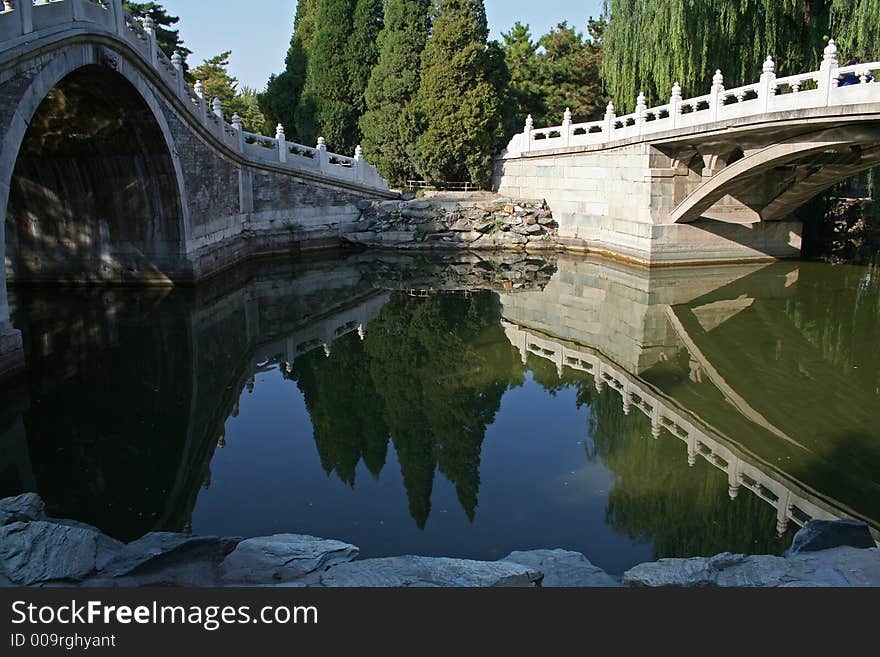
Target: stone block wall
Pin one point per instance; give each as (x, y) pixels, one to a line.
(617, 202)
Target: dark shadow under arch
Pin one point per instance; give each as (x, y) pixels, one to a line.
(94, 194)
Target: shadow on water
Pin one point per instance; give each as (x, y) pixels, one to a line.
(457, 405)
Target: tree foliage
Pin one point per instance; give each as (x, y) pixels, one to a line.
(214, 75)
(392, 84)
(363, 49)
(283, 91)
(167, 36)
(325, 107)
(454, 122)
(559, 71)
(650, 44)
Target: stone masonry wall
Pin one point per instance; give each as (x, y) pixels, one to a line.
(472, 221)
(617, 201)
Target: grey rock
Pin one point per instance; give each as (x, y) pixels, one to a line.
(842, 567)
(409, 571)
(164, 551)
(74, 523)
(819, 535)
(562, 568)
(534, 229)
(484, 225)
(22, 508)
(284, 558)
(389, 207)
(40, 552)
(530, 220)
(462, 225)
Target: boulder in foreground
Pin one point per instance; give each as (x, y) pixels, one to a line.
(409, 571)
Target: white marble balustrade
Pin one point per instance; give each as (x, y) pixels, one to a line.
(769, 95)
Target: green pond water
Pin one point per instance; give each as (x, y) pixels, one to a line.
(457, 405)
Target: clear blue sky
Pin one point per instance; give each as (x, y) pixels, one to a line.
(258, 31)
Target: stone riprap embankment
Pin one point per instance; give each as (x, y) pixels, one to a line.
(36, 550)
(476, 221)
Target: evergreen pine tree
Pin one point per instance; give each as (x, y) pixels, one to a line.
(325, 107)
(456, 116)
(279, 102)
(167, 37)
(567, 73)
(393, 83)
(363, 50)
(524, 96)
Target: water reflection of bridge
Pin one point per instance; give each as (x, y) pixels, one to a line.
(793, 502)
(686, 347)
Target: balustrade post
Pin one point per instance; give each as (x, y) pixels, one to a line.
(25, 11)
(610, 118)
(828, 71)
(767, 85)
(323, 158)
(359, 163)
(281, 138)
(199, 90)
(566, 126)
(150, 29)
(715, 96)
(239, 128)
(675, 104)
(177, 63)
(641, 108)
(527, 134)
(733, 478)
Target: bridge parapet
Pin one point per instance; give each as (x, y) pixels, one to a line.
(25, 20)
(832, 85)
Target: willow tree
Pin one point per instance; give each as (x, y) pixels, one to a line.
(650, 44)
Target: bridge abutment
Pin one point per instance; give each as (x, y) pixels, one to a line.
(618, 201)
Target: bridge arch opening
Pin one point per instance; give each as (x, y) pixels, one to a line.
(94, 196)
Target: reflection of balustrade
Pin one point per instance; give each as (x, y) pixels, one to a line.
(322, 334)
(791, 504)
(25, 18)
(770, 94)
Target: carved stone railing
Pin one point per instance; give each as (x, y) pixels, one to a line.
(770, 94)
(26, 20)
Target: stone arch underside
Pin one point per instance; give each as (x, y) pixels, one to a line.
(771, 183)
(94, 194)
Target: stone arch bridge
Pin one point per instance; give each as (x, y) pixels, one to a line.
(714, 178)
(113, 170)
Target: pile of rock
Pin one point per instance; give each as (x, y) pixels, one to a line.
(39, 551)
(471, 221)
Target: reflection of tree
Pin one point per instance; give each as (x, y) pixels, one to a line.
(430, 374)
(837, 309)
(657, 498)
(350, 428)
